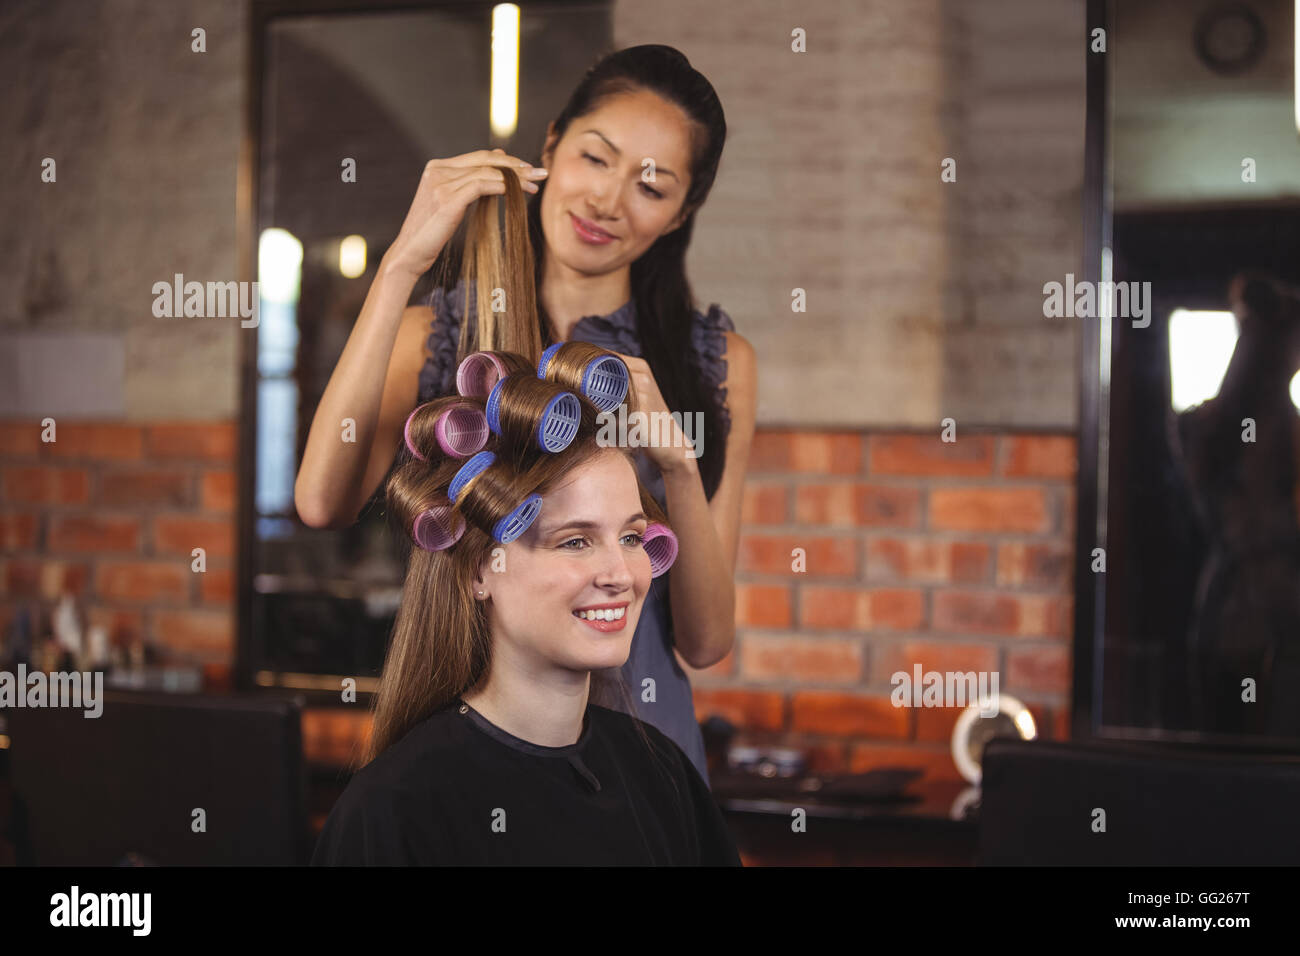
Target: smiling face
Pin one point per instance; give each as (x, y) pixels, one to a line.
(598, 213)
(583, 550)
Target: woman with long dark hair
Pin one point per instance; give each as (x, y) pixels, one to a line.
(623, 171)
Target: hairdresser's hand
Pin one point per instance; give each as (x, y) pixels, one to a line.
(671, 453)
(447, 187)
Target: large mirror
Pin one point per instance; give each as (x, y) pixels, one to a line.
(349, 107)
(1189, 540)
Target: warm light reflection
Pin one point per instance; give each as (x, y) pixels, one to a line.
(352, 256)
(504, 101)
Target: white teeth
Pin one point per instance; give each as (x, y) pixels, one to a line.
(605, 614)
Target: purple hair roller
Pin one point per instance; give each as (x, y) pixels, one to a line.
(477, 373)
(438, 528)
(462, 430)
(661, 544)
(407, 432)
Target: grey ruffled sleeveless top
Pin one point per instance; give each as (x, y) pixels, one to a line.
(673, 710)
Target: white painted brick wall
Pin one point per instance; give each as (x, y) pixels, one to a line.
(925, 297)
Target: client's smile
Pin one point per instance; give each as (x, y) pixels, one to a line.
(603, 612)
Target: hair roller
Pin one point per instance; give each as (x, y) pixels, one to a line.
(482, 489)
(468, 472)
(525, 411)
(406, 431)
(457, 424)
(597, 373)
(438, 528)
(661, 544)
(518, 520)
(479, 371)
(461, 430)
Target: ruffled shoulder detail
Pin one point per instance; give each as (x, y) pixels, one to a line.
(437, 377)
(711, 349)
(616, 331)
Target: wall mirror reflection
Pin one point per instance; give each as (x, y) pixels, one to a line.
(352, 105)
(1195, 632)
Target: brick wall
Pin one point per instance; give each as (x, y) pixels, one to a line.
(957, 556)
(921, 284)
(110, 514)
(830, 182)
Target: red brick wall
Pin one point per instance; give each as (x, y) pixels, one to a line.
(957, 556)
(110, 514)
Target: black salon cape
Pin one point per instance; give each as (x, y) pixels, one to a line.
(457, 790)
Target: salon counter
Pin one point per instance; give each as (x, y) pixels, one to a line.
(933, 824)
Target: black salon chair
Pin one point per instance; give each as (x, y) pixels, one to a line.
(1163, 805)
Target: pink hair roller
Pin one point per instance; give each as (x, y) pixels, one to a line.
(661, 544)
(438, 528)
(477, 373)
(406, 431)
(461, 431)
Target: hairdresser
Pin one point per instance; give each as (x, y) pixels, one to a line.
(624, 168)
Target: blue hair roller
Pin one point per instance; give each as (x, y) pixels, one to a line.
(604, 380)
(492, 410)
(559, 420)
(545, 361)
(468, 471)
(517, 522)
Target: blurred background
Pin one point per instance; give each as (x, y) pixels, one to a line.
(1168, 153)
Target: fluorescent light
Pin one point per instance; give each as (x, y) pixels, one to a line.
(1200, 347)
(505, 69)
(1295, 69)
(352, 256)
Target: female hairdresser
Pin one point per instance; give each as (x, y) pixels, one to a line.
(625, 166)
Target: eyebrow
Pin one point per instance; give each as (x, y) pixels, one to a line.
(659, 170)
(587, 525)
